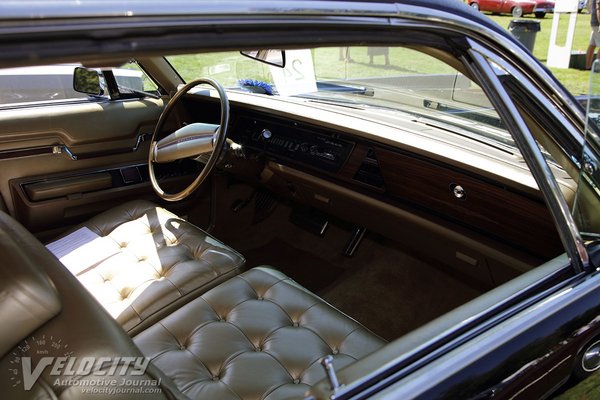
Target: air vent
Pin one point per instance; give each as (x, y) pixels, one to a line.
(369, 171)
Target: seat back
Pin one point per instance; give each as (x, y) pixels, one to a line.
(55, 339)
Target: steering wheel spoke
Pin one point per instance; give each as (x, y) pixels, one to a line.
(197, 140)
(189, 141)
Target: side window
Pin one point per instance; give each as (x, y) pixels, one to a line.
(47, 83)
(54, 84)
(131, 76)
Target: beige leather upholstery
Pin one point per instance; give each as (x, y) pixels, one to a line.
(28, 298)
(160, 262)
(75, 326)
(257, 336)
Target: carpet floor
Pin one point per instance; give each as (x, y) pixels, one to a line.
(396, 293)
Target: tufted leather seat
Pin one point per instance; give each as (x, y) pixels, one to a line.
(51, 316)
(148, 262)
(258, 335)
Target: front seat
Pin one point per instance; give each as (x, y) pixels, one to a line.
(141, 261)
(257, 335)
(47, 317)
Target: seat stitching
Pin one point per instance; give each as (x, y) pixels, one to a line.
(220, 381)
(132, 303)
(279, 362)
(181, 345)
(199, 361)
(242, 332)
(172, 335)
(175, 286)
(269, 300)
(265, 395)
(270, 334)
(196, 329)
(225, 362)
(211, 307)
(317, 334)
(311, 306)
(240, 353)
(110, 282)
(230, 389)
(232, 307)
(94, 225)
(230, 323)
(279, 305)
(345, 337)
(274, 389)
(169, 332)
(350, 333)
(269, 288)
(164, 276)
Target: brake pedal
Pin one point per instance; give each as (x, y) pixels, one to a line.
(264, 204)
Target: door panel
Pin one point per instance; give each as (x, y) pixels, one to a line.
(61, 163)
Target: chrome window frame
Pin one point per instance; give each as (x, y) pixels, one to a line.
(557, 205)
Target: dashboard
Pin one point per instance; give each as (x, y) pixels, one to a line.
(465, 200)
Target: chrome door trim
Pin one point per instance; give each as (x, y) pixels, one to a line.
(557, 205)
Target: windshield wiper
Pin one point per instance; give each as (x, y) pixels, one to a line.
(339, 103)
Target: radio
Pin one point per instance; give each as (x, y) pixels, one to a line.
(296, 142)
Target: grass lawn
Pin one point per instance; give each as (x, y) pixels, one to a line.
(577, 81)
(220, 65)
(589, 389)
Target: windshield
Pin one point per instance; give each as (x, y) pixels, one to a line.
(402, 80)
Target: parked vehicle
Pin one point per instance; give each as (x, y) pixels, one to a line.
(543, 7)
(296, 199)
(517, 8)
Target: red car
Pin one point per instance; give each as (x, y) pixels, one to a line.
(517, 8)
(542, 7)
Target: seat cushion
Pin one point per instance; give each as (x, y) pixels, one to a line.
(259, 335)
(142, 261)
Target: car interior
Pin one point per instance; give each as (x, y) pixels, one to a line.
(314, 230)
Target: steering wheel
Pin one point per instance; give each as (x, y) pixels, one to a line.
(189, 141)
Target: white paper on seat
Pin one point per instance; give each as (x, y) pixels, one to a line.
(82, 249)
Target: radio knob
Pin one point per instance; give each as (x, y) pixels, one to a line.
(266, 134)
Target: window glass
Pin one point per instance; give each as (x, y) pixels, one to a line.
(384, 78)
(54, 84)
(38, 84)
(131, 76)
